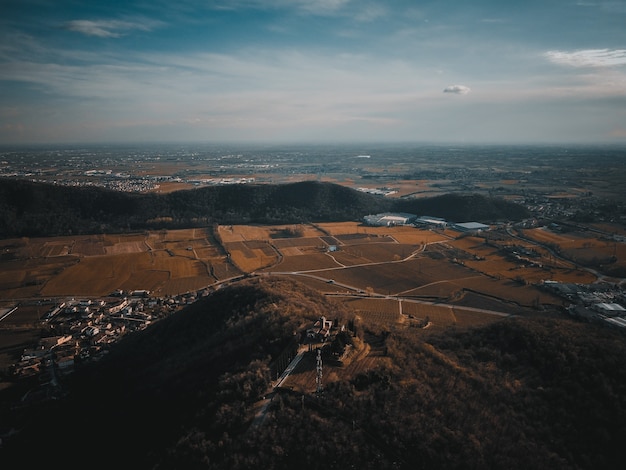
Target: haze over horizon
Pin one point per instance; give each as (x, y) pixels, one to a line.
(313, 71)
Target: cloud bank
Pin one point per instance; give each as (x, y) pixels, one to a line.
(109, 28)
(588, 57)
(457, 89)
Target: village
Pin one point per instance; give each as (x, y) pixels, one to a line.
(82, 330)
(79, 331)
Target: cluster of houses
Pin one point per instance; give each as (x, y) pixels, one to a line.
(593, 302)
(85, 329)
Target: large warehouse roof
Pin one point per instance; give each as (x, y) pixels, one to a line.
(471, 226)
(389, 218)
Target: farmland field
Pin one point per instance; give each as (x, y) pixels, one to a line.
(582, 248)
(499, 273)
(306, 262)
(250, 256)
(378, 252)
(238, 233)
(166, 262)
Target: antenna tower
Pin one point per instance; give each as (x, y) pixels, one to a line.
(318, 378)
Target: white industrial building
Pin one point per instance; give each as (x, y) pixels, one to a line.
(388, 219)
(431, 221)
(470, 227)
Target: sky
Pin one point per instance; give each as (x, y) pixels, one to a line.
(481, 71)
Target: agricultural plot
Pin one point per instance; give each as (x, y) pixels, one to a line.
(367, 258)
(544, 235)
(208, 252)
(392, 278)
(479, 301)
(388, 307)
(318, 284)
(303, 231)
(152, 280)
(517, 260)
(514, 292)
(379, 252)
(135, 246)
(306, 262)
(348, 258)
(23, 279)
(379, 318)
(282, 243)
(239, 233)
(100, 275)
(361, 238)
(27, 248)
(340, 228)
(221, 269)
(386, 312)
(610, 228)
(328, 240)
(90, 246)
(437, 315)
(252, 255)
(434, 290)
(586, 249)
(177, 266)
(183, 285)
(597, 252)
(97, 275)
(55, 249)
(414, 236)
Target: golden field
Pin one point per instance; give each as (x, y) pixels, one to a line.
(441, 275)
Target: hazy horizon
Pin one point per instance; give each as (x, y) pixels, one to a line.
(258, 72)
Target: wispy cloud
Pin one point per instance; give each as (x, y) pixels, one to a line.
(457, 89)
(318, 7)
(110, 28)
(589, 57)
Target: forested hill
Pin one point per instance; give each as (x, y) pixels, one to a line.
(40, 209)
(517, 394)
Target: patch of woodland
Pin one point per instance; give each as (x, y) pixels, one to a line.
(458, 207)
(42, 209)
(518, 393)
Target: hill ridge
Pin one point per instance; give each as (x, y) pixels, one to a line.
(42, 209)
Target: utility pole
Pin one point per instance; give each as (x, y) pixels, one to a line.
(318, 378)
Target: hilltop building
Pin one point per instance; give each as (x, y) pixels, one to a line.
(321, 329)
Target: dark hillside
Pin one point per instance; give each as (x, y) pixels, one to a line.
(203, 366)
(465, 208)
(284, 203)
(40, 209)
(518, 394)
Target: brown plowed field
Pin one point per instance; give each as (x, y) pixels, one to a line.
(466, 269)
(306, 262)
(378, 252)
(298, 242)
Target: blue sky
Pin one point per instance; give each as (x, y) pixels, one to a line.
(312, 71)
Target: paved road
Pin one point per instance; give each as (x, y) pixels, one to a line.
(262, 405)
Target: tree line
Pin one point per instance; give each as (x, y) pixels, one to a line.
(29, 209)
